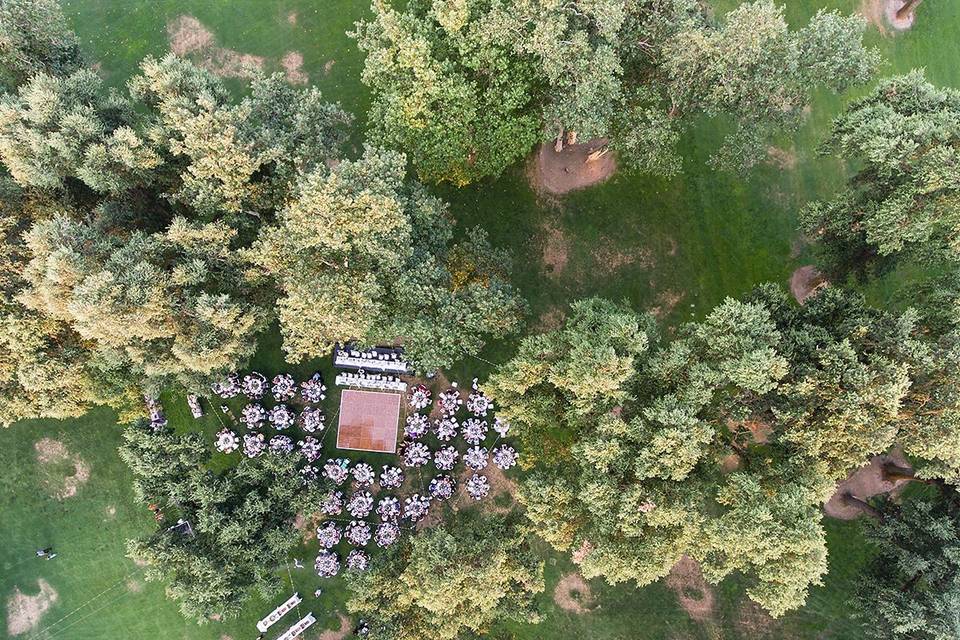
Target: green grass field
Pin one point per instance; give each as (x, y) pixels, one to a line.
(681, 245)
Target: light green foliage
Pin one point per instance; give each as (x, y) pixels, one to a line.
(904, 201)
(579, 369)
(635, 72)
(576, 51)
(56, 127)
(167, 305)
(236, 158)
(450, 580)
(721, 444)
(911, 588)
(242, 520)
(360, 254)
(457, 103)
(754, 69)
(34, 39)
(43, 364)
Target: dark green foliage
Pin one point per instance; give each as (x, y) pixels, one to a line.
(241, 520)
(35, 38)
(722, 443)
(904, 201)
(911, 588)
(465, 87)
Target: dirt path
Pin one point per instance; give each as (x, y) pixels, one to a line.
(560, 173)
(693, 593)
(573, 594)
(24, 612)
(864, 483)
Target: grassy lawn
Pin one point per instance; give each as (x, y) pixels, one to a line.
(678, 245)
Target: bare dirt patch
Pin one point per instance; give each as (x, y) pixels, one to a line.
(805, 282)
(187, 35)
(666, 302)
(573, 594)
(898, 22)
(608, 258)
(328, 66)
(694, 594)
(730, 463)
(292, 18)
(576, 167)
(134, 585)
(111, 512)
(54, 456)
(883, 15)
(337, 634)
(24, 612)
(190, 38)
(292, 63)
(782, 158)
(672, 251)
(556, 249)
(307, 525)
(500, 487)
(864, 483)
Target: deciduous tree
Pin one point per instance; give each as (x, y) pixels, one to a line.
(362, 254)
(453, 579)
(904, 200)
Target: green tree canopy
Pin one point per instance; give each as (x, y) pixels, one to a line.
(722, 443)
(362, 254)
(240, 520)
(466, 86)
(34, 39)
(904, 199)
(168, 306)
(452, 99)
(910, 590)
(453, 579)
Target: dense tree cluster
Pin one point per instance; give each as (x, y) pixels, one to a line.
(904, 200)
(910, 589)
(722, 443)
(449, 580)
(465, 87)
(149, 232)
(239, 522)
(360, 252)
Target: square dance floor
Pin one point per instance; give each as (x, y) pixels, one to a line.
(369, 421)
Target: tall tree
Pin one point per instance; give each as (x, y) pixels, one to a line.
(170, 306)
(240, 520)
(753, 68)
(361, 254)
(904, 201)
(60, 127)
(450, 580)
(236, 158)
(35, 39)
(45, 369)
(911, 589)
(457, 103)
(636, 72)
(722, 443)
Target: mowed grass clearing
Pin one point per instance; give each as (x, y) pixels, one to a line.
(676, 246)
